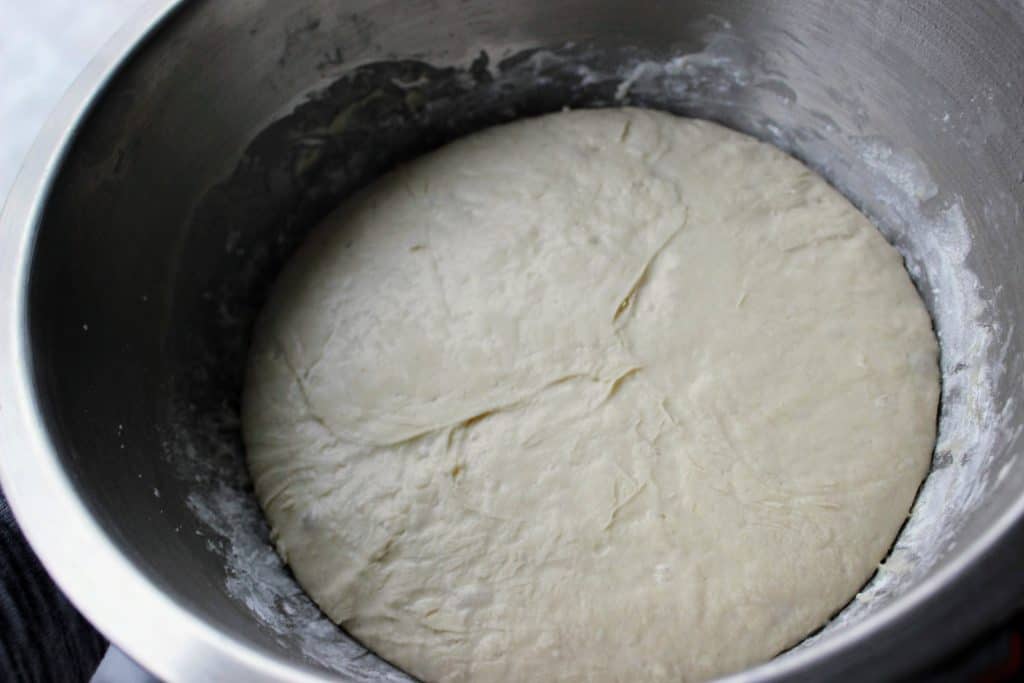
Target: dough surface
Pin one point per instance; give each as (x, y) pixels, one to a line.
(605, 395)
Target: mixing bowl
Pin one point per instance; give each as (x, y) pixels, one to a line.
(189, 160)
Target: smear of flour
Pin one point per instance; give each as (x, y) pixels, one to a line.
(926, 224)
(258, 578)
(206, 452)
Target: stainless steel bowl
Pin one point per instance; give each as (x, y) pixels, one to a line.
(196, 150)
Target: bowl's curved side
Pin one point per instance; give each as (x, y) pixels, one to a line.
(90, 567)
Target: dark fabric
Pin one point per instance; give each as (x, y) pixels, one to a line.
(994, 657)
(42, 637)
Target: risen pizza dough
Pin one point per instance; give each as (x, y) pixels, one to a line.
(603, 395)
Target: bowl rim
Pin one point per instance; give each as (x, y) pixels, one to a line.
(87, 563)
